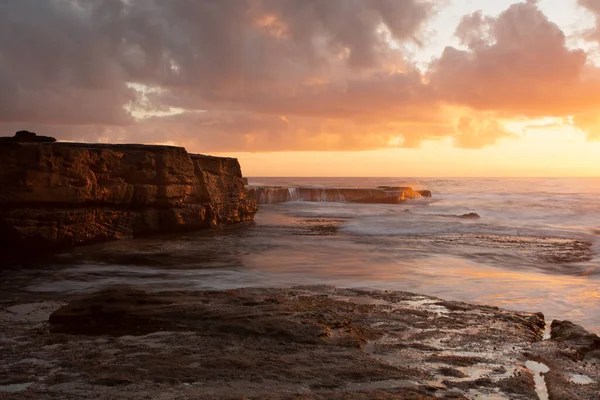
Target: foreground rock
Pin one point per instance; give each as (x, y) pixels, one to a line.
(470, 216)
(299, 343)
(587, 344)
(56, 195)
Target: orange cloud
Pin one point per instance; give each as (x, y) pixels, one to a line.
(77, 70)
(516, 64)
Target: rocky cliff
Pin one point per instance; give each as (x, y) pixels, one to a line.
(56, 195)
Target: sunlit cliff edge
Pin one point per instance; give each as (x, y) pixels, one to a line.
(56, 195)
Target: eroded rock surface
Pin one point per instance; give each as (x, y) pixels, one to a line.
(470, 216)
(299, 343)
(64, 194)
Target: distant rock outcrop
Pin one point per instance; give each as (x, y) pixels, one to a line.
(470, 216)
(27, 137)
(379, 195)
(56, 195)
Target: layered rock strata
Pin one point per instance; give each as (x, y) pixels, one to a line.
(55, 195)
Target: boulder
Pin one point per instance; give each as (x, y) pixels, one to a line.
(55, 195)
(587, 344)
(469, 216)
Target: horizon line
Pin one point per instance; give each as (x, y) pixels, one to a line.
(424, 177)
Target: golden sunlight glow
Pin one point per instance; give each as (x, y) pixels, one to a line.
(538, 153)
(272, 25)
(335, 103)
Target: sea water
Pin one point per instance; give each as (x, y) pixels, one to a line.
(535, 247)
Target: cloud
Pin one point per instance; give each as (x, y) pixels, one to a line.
(594, 7)
(218, 131)
(83, 65)
(272, 75)
(474, 133)
(589, 123)
(516, 64)
(58, 64)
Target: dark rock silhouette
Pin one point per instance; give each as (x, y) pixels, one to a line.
(469, 216)
(587, 344)
(27, 137)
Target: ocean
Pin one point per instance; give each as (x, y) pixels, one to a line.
(535, 247)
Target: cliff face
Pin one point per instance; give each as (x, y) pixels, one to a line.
(66, 194)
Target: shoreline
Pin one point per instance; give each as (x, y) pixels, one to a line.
(309, 342)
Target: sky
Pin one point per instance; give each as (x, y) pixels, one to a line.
(315, 88)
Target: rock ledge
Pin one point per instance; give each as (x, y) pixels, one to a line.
(311, 342)
(55, 195)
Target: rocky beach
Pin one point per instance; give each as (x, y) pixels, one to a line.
(119, 339)
(314, 342)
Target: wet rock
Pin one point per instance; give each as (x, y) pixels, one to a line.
(469, 216)
(520, 386)
(320, 227)
(379, 195)
(113, 380)
(424, 193)
(587, 344)
(118, 310)
(309, 342)
(460, 216)
(330, 325)
(459, 361)
(27, 137)
(554, 250)
(453, 372)
(55, 195)
(270, 195)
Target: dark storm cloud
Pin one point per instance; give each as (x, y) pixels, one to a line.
(58, 65)
(69, 61)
